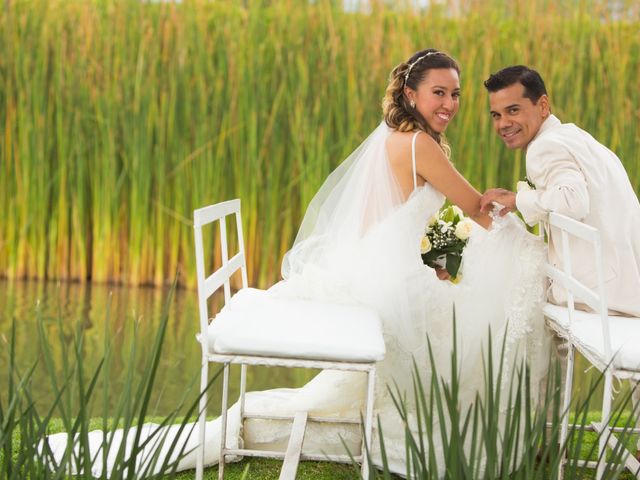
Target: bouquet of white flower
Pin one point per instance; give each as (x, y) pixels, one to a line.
(445, 237)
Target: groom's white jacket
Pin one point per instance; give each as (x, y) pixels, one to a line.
(577, 176)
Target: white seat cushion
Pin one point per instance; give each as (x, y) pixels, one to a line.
(587, 331)
(255, 323)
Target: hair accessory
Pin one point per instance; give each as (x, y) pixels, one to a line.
(406, 75)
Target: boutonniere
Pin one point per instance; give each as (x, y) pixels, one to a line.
(524, 185)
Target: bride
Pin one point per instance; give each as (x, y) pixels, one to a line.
(359, 242)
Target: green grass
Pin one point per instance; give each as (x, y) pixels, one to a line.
(265, 469)
(120, 117)
(256, 468)
(23, 424)
(508, 439)
(506, 430)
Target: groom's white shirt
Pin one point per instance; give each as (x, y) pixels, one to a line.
(577, 176)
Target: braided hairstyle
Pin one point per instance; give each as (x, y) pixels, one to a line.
(398, 113)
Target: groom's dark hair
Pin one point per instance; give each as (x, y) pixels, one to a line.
(530, 79)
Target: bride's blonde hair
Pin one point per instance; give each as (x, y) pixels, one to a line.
(398, 113)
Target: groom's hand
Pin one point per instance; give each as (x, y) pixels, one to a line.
(505, 198)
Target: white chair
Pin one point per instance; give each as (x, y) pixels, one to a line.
(253, 328)
(610, 343)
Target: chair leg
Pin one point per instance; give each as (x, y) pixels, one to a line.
(223, 420)
(635, 406)
(294, 448)
(605, 419)
(243, 389)
(566, 406)
(368, 426)
(204, 377)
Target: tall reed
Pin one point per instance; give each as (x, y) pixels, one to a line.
(119, 118)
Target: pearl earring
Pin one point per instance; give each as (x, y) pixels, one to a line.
(413, 104)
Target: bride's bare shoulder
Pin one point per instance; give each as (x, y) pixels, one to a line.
(399, 139)
(399, 144)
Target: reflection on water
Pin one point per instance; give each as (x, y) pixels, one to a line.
(121, 313)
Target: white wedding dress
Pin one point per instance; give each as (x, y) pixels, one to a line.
(368, 253)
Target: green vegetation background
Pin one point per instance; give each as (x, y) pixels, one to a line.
(119, 118)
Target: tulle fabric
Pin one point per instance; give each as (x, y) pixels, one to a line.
(357, 195)
(359, 243)
(358, 240)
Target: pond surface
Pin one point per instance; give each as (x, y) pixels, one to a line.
(122, 315)
(118, 315)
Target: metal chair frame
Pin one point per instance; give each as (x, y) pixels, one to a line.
(596, 300)
(210, 284)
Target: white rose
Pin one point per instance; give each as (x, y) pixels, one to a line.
(458, 211)
(523, 186)
(425, 245)
(433, 220)
(463, 229)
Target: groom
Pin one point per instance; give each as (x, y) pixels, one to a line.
(573, 175)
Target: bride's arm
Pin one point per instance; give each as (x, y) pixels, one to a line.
(433, 165)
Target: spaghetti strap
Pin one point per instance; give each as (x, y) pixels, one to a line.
(413, 160)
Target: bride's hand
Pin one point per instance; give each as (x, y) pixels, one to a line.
(442, 273)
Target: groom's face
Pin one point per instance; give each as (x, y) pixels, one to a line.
(516, 118)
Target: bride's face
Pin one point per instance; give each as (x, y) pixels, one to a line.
(437, 97)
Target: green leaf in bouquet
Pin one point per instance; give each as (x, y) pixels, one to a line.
(431, 256)
(453, 264)
(455, 248)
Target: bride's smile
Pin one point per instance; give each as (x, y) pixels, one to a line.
(437, 97)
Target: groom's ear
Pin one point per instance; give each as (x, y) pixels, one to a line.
(544, 106)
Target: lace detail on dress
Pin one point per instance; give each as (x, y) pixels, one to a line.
(511, 260)
(525, 298)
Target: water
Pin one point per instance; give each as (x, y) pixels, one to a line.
(122, 314)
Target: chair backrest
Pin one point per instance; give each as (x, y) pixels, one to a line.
(576, 289)
(209, 284)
